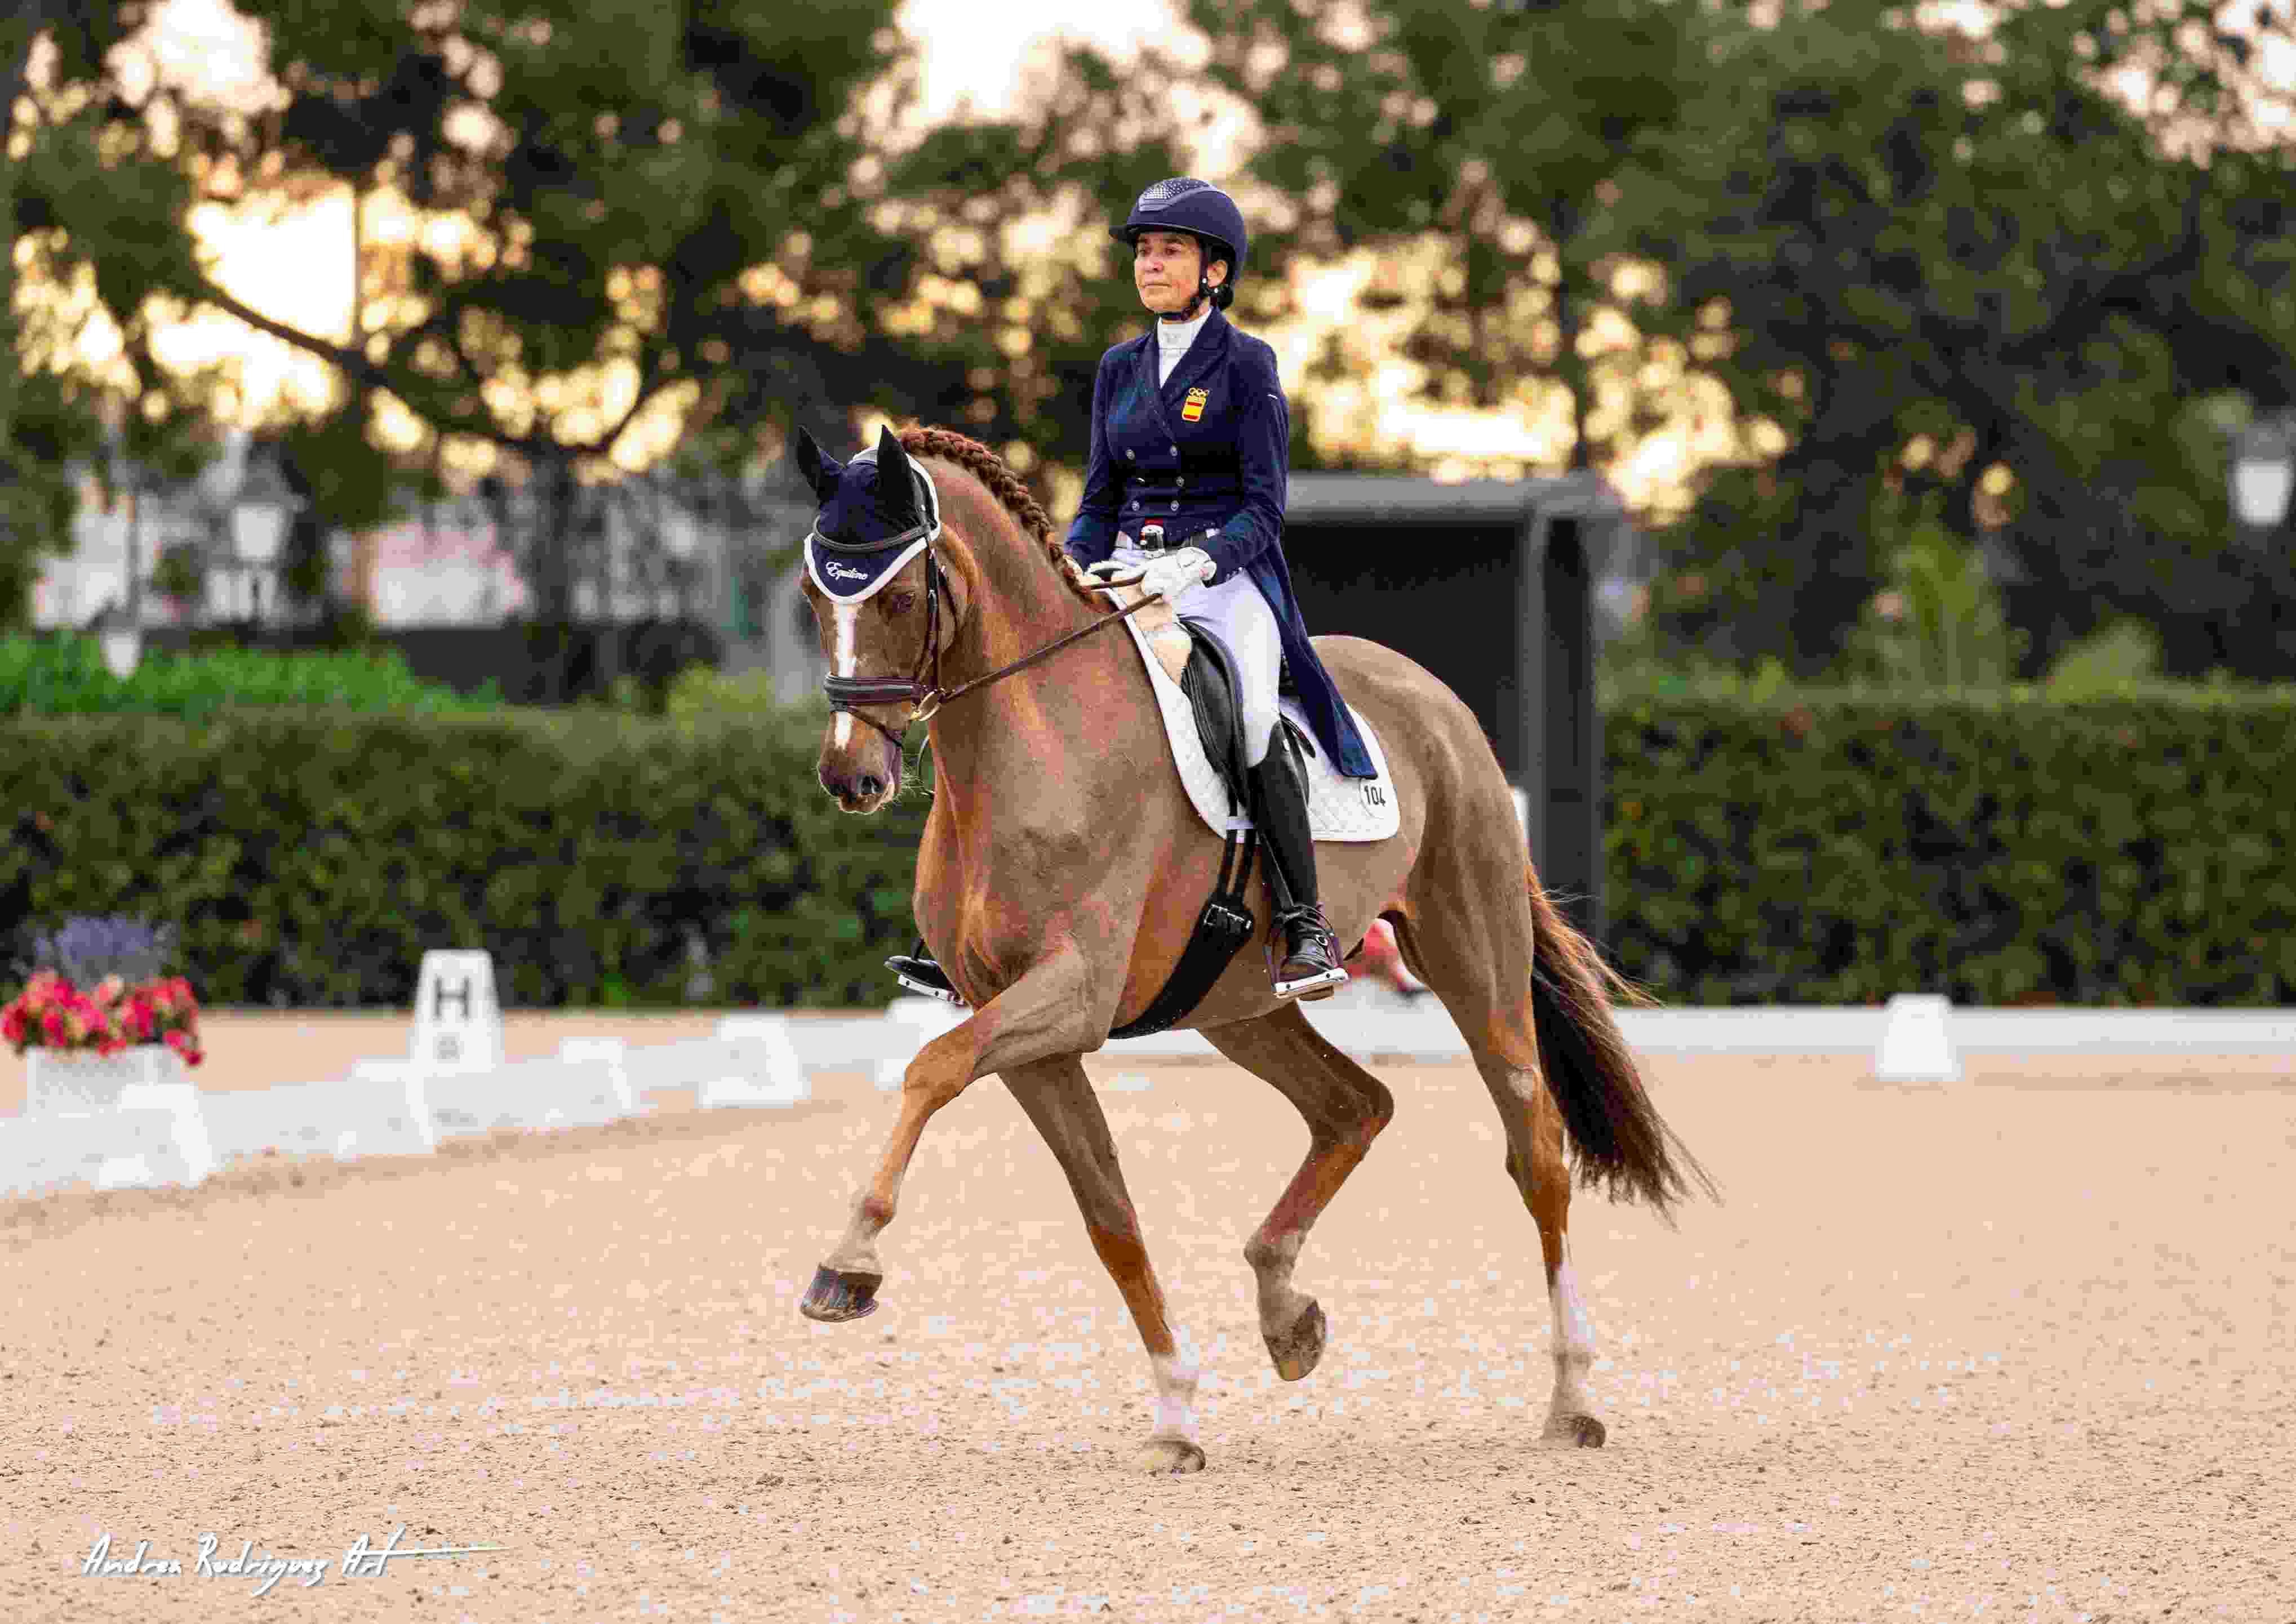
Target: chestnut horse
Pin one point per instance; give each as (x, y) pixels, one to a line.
(1060, 873)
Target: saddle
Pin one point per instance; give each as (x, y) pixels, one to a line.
(1215, 695)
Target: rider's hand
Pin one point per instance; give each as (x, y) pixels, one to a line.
(1175, 572)
(1108, 573)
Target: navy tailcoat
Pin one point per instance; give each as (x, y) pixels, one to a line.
(1207, 452)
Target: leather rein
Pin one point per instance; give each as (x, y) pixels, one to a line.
(923, 697)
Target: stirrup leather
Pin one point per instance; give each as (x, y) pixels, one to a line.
(920, 974)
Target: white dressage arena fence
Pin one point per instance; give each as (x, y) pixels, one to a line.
(144, 1124)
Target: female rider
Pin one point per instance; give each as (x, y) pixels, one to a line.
(1186, 487)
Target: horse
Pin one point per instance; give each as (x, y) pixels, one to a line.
(1059, 877)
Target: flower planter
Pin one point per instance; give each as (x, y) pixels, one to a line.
(64, 1082)
(138, 1107)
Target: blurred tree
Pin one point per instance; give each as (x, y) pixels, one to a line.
(93, 203)
(1471, 146)
(1018, 287)
(607, 222)
(1922, 256)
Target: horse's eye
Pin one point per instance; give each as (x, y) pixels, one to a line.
(900, 603)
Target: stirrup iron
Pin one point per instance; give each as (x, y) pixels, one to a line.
(921, 975)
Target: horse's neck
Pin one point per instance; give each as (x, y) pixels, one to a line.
(1044, 726)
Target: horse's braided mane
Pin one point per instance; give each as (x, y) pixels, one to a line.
(991, 471)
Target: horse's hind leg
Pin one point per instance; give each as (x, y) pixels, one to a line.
(1477, 960)
(1534, 1160)
(1059, 1100)
(1344, 1107)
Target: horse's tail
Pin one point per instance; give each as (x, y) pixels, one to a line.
(1624, 1148)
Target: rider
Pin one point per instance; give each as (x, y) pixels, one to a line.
(1190, 442)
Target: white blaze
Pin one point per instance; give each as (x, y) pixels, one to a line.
(848, 636)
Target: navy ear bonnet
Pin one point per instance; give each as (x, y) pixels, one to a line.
(874, 518)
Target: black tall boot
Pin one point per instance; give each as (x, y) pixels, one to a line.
(1309, 968)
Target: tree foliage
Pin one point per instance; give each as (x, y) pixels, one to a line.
(91, 200)
(1926, 257)
(1470, 148)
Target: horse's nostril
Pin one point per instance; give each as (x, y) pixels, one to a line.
(871, 786)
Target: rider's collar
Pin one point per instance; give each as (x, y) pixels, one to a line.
(848, 571)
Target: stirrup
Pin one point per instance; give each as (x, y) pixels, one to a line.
(1323, 983)
(920, 974)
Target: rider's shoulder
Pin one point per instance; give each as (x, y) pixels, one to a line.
(1117, 354)
(1256, 357)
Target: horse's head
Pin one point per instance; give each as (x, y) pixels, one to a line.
(887, 607)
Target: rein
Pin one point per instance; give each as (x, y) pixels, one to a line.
(849, 694)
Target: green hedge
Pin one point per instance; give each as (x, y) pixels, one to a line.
(2006, 850)
(1816, 850)
(310, 856)
(66, 675)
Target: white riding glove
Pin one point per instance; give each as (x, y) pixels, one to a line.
(1108, 573)
(1170, 575)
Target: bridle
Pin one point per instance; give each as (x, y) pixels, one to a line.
(921, 690)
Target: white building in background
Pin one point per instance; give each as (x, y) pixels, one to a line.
(444, 564)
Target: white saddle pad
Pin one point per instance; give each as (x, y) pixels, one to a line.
(1339, 808)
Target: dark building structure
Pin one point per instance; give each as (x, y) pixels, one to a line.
(1489, 585)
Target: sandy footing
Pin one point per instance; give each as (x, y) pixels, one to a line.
(2015, 1347)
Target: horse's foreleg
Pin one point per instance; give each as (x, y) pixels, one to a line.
(1052, 1010)
(1059, 1100)
(1344, 1107)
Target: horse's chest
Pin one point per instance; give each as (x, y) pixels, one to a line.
(999, 905)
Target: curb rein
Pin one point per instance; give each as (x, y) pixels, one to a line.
(924, 699)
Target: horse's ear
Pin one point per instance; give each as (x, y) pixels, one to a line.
(818, 467)
(900, 497)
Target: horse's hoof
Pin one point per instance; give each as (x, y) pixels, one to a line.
(1299, 1351)
(1575, 1431)
(1168, 1457)
(836, 1296)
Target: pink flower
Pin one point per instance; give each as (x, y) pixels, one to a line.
(51, 1022)
(108, 990)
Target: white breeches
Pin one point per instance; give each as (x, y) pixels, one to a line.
(1241, 618)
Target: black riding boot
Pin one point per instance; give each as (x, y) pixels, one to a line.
(1309, 968)
(919, 973)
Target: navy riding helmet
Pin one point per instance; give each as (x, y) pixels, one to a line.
(1205, 213)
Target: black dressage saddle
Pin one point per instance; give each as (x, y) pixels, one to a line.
(1209, 681)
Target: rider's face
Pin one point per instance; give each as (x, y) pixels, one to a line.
(1165, 267)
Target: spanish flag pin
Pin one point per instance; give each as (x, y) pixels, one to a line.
(1192, 410)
